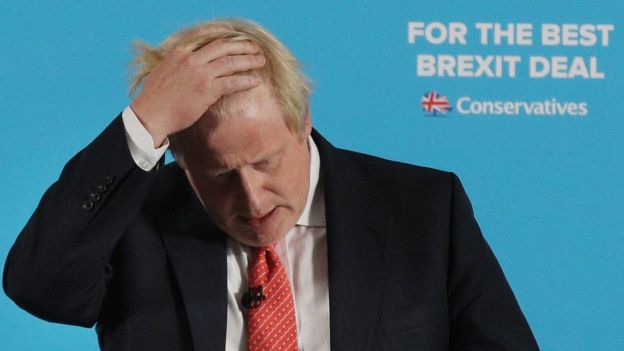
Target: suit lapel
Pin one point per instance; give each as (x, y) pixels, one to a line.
(355, 250)
(197, 250)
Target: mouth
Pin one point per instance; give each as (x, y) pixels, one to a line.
(258, 222)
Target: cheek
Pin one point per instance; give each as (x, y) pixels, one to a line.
(295, 178)
(214, 201)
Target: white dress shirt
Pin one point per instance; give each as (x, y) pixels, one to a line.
(303, 252)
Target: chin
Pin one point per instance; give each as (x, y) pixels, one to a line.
(266, 239)
(260, 239)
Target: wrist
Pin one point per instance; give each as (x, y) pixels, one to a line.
(149, 121)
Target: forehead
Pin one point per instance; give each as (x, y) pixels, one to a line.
(252, 103)
(246, 136)
(231, 116)
(248, 125)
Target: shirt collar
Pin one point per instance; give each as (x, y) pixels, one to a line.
(313, 214)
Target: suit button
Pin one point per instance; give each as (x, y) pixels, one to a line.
(109, 179)
(101, 188)
(95, 197)
(87, 205)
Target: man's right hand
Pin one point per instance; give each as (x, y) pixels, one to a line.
(186, 83)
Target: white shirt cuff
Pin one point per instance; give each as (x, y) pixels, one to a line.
(140, 142)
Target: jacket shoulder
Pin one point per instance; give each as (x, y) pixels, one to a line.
(391, 175)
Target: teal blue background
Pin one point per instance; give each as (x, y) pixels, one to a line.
(547, 191)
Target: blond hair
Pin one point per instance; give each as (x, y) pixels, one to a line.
(289, 85)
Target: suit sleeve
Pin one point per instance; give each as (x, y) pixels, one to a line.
(59, 266)
(483, 311)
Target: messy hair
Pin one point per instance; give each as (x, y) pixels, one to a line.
(289, 86)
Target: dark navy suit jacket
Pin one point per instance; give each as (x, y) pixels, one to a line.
(134, 253)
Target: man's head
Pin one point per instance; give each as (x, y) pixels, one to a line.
(247, 157)
(282, 71)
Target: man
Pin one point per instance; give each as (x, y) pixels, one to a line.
(262, 236)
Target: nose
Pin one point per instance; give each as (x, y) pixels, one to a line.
(250, 191)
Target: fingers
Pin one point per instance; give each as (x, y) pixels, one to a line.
(227, 65)
(224, 47)
(225, 57)
(233, 83)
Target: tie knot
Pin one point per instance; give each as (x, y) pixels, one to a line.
(268, 249)
(265, 265)
(265, 250)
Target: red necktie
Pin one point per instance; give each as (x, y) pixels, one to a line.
(271, 319)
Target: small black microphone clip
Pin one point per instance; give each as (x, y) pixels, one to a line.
(252, 298)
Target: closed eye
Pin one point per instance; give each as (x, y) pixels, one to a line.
(221, 175)
(262, 163)
(266, 164)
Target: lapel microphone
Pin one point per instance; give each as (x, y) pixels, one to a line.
(253, 298)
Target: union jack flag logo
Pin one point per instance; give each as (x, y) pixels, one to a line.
(434, 103)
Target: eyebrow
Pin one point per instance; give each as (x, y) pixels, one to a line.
(220, 170)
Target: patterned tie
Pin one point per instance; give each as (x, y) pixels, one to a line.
(271, 319)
